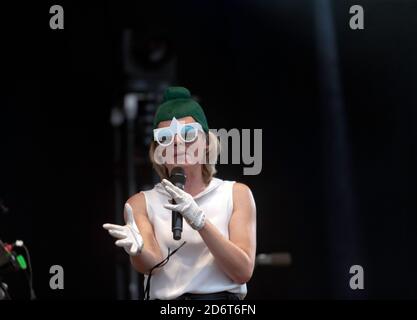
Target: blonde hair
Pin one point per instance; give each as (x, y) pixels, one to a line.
(208, 168)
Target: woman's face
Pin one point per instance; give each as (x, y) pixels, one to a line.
(181, 153)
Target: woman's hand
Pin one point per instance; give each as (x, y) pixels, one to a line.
(184, 204)
(129, 236)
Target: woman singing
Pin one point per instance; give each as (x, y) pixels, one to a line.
(218, 257)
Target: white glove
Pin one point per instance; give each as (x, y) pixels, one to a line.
(129, 236)
(185, 205)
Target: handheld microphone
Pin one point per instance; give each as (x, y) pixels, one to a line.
(177, 178)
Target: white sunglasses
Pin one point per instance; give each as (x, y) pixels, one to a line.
(187, 132)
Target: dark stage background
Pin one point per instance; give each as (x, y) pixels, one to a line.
(338, 183)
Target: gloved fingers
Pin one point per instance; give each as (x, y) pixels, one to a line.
(133, 249)
(129, 214)
(166, 182)
(174, 191)
(109, 226)
(123, 243)
(173, 194)
(173, 207)
(118, 234)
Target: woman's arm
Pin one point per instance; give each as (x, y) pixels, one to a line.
(236, 255)
(151, 253)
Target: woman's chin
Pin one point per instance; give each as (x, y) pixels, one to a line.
(182, 165)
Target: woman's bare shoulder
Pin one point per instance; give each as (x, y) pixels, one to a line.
(242, 195)
(138, 202)
(241, 188)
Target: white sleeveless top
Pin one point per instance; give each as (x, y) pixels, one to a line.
(192, 269)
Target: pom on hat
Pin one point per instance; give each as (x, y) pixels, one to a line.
(178, 103)
(176, 93)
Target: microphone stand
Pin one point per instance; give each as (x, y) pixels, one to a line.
(131, 108)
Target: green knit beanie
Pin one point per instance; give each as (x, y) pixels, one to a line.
(179, 104)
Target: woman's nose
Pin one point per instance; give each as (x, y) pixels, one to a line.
(177, 139)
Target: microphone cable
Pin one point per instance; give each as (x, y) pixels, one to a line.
(160, 264)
